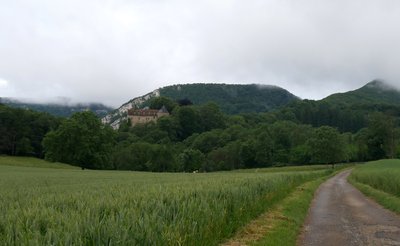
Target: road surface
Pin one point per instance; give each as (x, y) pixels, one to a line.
(342, 215)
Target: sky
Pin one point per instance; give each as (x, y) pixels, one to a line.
(111, 51)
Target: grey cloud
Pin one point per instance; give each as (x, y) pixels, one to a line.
(111, 51)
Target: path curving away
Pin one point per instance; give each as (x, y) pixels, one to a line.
(342, 215)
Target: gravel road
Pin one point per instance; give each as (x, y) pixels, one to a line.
(342, 215)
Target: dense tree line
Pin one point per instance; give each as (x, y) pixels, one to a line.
(22, 131)
(203, 138)
(345, 117)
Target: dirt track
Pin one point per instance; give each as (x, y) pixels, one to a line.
(342, 215)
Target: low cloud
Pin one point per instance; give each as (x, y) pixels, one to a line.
(3, 83)
(112, 51)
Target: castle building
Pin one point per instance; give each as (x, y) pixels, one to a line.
(141, 116)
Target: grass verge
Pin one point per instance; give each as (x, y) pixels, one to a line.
(281, 224)
(380, 181)
(293, 212)
(385, 199)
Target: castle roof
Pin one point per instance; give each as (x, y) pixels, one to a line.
(147, 112)
(143, 112)
(163, 109)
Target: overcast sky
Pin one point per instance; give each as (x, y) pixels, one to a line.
(113, 50)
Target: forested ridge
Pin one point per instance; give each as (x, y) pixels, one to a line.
(350, 111)
(202, 137)
(231, 98)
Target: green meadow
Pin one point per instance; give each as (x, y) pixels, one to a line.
(44, 203)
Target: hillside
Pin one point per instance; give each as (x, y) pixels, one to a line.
(349, 111)
(231, 98)
(58, 109)
(375, 92)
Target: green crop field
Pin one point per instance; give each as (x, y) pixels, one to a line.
(382, 175)
(63, 205)
(379, 180)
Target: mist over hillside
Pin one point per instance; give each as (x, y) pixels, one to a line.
(374, 92)
(59, 107)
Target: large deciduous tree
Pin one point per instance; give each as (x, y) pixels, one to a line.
(80, 140)
(189, 121)
(191, 160)
(381, 136)
(326, 146)
(211, 117)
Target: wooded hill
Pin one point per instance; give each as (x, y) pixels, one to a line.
(349, 111)
(230, 98)
(375, 92)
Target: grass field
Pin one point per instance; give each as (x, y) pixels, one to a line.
(379, 180)
(63, 205)
(32, 162)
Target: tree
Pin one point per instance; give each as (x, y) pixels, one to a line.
(22, 131)
(184, 102)
(191, 160)
(123, 158)
(247, 154)
(136, 156)
(162, 159)
(188, 120)
(264, 150)
(361, 140)
(158, 102)
(211, 117)
(80, 140)
(326, 146)
(281, 133)
(170, 126)
(225, 158)
(381, 136)
(207, 141)
(300, 155)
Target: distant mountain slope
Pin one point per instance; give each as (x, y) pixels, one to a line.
(62, 110)
(375, 92)
(349, 111)
(231, 98)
